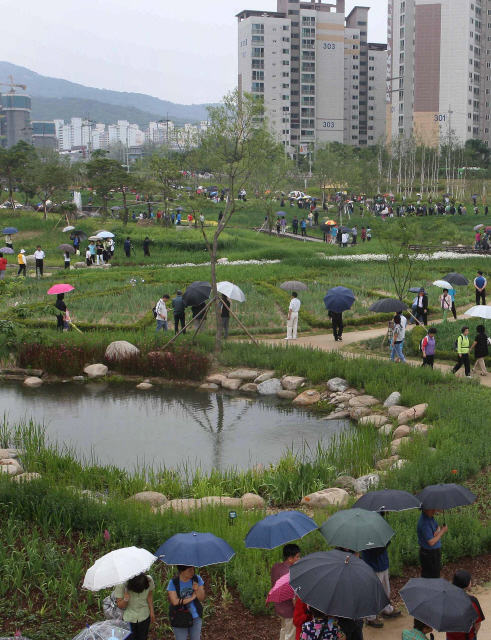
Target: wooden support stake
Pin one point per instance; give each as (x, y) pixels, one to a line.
(185, 327)
(253, 339)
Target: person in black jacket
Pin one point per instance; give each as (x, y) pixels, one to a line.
(337, 324)
(481, 351)
(61, 306)
(179, 312)
(422, 307)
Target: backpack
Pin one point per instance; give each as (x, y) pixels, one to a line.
(456, 345)
(111, 609)
(421, 345)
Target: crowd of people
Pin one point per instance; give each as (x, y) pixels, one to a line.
(177, 306)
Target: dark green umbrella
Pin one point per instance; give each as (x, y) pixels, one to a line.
(357, 529)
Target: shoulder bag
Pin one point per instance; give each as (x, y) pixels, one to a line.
(180, 616)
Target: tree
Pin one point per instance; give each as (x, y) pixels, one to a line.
(16, 164)
(104, 174)
(52, 176)
(162, 175)
(236, 141)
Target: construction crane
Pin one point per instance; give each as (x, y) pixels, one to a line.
(12, 85)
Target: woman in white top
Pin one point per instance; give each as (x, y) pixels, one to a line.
(39, 256)
(291, 325)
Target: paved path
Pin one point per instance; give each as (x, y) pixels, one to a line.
(295, 236)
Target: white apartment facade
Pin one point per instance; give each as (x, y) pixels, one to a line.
(309, 62)
(439, 69)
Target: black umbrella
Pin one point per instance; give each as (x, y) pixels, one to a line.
(66, 247)
(445, 496)
(81, 234)
(196, 293)
(293, 285)
(439, 604)
(387, 500)
(456, 279)
(388, 305)
(326, 228)
(344, 230)
(414, 289)
(339, 299)
(338, 583)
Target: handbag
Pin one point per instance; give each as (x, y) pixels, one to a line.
(111, 609)
(180, 616)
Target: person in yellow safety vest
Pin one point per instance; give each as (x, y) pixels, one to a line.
(22, 262)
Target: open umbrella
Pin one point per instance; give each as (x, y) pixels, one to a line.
(81, 234)
(478, 226)
(66, 247)
(293, 285)
(117, 567)
(339, 299)
(326, 227)
(480, 311)
(388, 305)
(60, 288)
(195, 550)
(447, 195)
(281, 214)
(6, 250)
(439, 604)
(414, 289)
(179, 209)
(442, 284)
(357, 529)
(231, 290)
(197, 293)
(105, 234)
(445, 496)
(282, 590)
(338, 583)
(94, 238)
(279, 528)
(107, 630)
(8, 231)
(330, 222)
(387, 500)
(456, 279)
(345, 229)
(69, 228)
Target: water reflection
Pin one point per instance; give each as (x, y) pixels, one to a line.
(126, 426)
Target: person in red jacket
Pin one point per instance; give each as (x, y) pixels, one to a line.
(301, 614)
(3, 266)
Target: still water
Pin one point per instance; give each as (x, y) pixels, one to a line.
(126, 426)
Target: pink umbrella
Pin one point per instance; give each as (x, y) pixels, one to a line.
(282, 590)
(60, 288)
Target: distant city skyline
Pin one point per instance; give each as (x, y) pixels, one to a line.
(185, 53)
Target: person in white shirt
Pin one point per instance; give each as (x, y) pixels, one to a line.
(291, 325)
(161, 313)
(39, 256)
(88, 257)
(344, 239)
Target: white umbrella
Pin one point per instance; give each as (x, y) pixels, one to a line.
(480, 311)
(69, 228)
(105, 234)
(231, 290)
(117, 567)
(442, 284)
(107, 630)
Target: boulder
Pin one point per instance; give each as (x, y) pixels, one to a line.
(144, 385)
(307, 398)
(12, 465)
(355, 392)
(208, 386)
(232, 384)
(345, 482)
(267, 375)
(95, 371)
(80, 265)
(393, 399)
(377, 421)
(252, 501)
(291, 383)
(363, 401)
(337, 384)
(395, 410)
(401, 432)
(216, 378)
(243, 374)
(181, 504)
(152, 498)
(27, 477)
(337, 415)
(386, 429)
(363, 484)
(383, 465)
(221, 500)
(32, 382)
(414, 413)
(8, 453)
(286, 395)
(120, 350)
(326, 498)
(269, 387)
(420, 428)
(338, 399)
(396, 444)
(359, 412)
(399, 464)
(248, 387)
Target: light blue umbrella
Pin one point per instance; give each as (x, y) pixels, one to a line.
(105, 234)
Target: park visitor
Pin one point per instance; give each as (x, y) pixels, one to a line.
(278, 225)
(334, 233)
(397, 340)
(337, 324)
(292, 322)
(22, 262)
(451, 293)
(480, 283)
(161, 313)
(136, 599)
(430, 546)
(61, 306)
(199, 319)
(179, 312)
(88, 257)
(295, 225)
(463, 580)
(301, 614)
(283, 225)
(477, 244)
(3, 266)
(344, 239)
(186, 591)
(481, 351)
(284, 610)
(98, 249)
(422, 307)
(224, 315)
(76, 244)
(463, 353)
(354, 233)
(8, 242)
(67, 259)
(92, 250)
(369, 234)
(428, 347)
(146, 245)
(363, 234)
(322, 627)
(414, 310)
(445, 303)
(419, 631)
(39, 257)
(127, 247)
(303, 227)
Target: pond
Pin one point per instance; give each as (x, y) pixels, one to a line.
(165, 426)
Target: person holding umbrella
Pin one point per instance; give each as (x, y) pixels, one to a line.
(422, 307)
(292, 322)
(284, 610)
(337, 300)
(179, 312)
(224, 315)
(445, 302)
(136, 599)
(186, 591)
(463, 580)
(61, 306)
(430, 546)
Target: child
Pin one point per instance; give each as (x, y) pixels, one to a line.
(88, 257)
(428, 347)
(321, 627)
(463, 580)
(369, 234)
(418, 632)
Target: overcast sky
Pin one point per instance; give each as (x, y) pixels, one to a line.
(179, 50)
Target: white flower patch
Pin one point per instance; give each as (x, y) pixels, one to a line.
(229, 264)
(382, 257)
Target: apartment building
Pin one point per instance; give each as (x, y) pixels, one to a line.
(309, 63)
(439, 69)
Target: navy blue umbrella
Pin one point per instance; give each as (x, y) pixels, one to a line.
(9, 230)
(195, 550)
(281, 214)
(278, 529)
(339, 299)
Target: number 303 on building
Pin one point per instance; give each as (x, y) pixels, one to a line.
(328, 124)
(329, 45)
